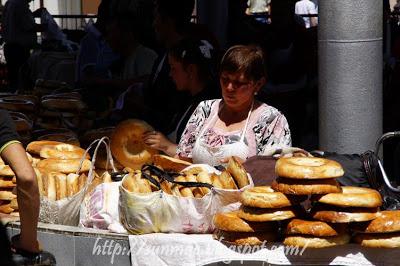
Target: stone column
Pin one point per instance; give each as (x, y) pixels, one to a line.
(350, 74)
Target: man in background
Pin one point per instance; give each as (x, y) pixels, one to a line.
(19, 33)
(306, 7)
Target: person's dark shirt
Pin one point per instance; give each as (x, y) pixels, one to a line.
(7, 129)
(162, 97)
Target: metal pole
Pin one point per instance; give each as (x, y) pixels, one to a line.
(350, 74)
(41, 3)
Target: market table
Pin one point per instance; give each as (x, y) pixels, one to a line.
(82, 246)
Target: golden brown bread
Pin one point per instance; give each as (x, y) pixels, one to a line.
(239, 174)
(35, 147)
(352, 197)
(61, 185)
(231, 222)
(65, 166)
(7, 195)
(314, 228)
(266, 197)
(204, 177)
(227, 180)
(134, 182)
(316, 242)
(182, 191)
(6, 182)
(62, 151)
(389, 240)
(308, 168)
(328, 213)
(305, 187)
(385, 222)
(6, 208)
(127, 144)
(5, 170)
(266, 215)
(216, 181)
(238, 238)
(170, 164)
(72, 184)
(197, 191)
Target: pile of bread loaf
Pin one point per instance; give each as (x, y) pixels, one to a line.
(336, 212)
(59, 170)
(8, 197)
(194, 182)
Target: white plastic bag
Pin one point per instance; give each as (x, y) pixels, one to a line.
(66, 211)
(160, 212)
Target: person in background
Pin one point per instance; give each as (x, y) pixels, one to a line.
(259, 9)
(95, 56)
(306, 7)
(161, 101)
(25, 244)
(19, 33)
(192, 68)
(236, 125)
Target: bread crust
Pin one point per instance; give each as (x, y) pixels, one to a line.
(266, 197)
(65, 166)
(265, 215)
(127, 144)
(308, 168)
(314, 228)
(239, 174)
(305, 187)
(169, 163)
(352, 197)
(385, 222)
(62, 151)
(231, 222)
(389, 240)
(316, 242)
(332, 214)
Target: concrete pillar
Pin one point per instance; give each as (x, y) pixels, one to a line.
(350, 74)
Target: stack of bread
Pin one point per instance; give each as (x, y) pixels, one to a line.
(57, 165)
(194, 182)
(8, 197)
(353, 204)
(233, 230)
(61, 111)
(256, 220)
(315, 234)
(307, 176)
(382, 232)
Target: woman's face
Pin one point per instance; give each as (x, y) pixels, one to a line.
(179, 74)
(238, 90)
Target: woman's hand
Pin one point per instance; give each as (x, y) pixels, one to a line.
(158, 141)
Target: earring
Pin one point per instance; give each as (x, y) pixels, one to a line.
(255, 93)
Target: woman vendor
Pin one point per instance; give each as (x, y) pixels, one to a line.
(236, 125)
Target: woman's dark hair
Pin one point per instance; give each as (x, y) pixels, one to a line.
(248, 59)
(197, 52)
(180, 11)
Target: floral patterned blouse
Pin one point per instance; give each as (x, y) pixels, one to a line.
(267, 128)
